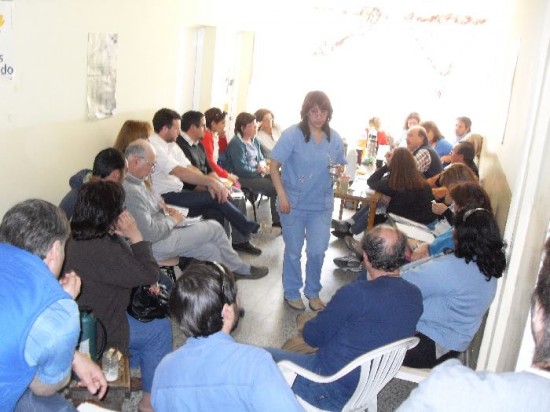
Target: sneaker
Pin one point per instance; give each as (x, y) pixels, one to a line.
(345, 262)
(354, 246)
(256, 272)
(296, 304)
(247, 247)
(340, 225)
(316, 304)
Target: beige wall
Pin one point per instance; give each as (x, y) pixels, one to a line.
(44, 134)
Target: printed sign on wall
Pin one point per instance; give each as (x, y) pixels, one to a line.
(7, 42)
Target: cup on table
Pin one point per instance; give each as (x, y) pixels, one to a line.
(109, 364)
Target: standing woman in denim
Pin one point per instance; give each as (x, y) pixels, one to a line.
(304, 189)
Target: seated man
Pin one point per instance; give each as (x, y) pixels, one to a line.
(193, 127)
(173, 168)
(109, 165)
(362, 316)
(39, 317)
(205, 240)
(453, 387)
(212, 372)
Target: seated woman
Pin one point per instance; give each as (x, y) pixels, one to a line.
(268, 133)
(441, 146)
(457, 288)
(108, 252)
(410, 195)
(246, 160)
(466, 195)
(453, 174)
(215, 126)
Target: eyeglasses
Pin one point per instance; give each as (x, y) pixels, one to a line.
(152, 165)
(315, 112)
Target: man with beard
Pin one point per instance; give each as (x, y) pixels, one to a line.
(211, 371)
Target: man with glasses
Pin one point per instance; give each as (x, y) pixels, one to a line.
(173, 169)
(164, 226)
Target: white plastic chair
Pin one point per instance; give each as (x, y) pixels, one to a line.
(378, 367)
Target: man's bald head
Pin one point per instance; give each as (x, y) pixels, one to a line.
(385, 247)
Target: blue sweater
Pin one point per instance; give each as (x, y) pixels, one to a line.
(456, 296)
(362, 316)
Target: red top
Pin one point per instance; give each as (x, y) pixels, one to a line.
(208, 144)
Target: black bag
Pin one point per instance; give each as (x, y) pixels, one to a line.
(146, 306)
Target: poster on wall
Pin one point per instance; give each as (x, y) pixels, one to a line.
(101, 75)
(7, 42)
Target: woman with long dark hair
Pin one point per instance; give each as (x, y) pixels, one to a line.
(305, 196)
(457, 288)
(108, 252)
(409, 192)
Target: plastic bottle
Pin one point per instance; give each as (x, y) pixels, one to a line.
(372, 147)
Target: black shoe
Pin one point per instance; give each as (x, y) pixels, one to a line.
(340, 225)
(340, 235)
(256, 272)
(247, 247)
(253, 227)
(277, 224)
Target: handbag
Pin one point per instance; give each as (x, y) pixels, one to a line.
(146, 305)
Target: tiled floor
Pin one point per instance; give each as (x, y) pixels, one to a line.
(268, 321)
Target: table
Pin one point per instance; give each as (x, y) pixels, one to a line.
(116, 393)
(359, 192)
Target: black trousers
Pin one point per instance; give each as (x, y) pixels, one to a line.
(423, 354)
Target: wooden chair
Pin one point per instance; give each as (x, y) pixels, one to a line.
(378, 367)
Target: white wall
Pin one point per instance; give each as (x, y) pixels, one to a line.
(44, 134)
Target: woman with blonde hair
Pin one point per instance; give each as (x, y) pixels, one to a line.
(131, 131)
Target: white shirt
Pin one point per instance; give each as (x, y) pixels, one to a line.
(169, 156)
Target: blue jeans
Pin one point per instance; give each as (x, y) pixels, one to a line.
(30, 402)
(314, 228)
(322, 396)
(149, 343)
(201, 203)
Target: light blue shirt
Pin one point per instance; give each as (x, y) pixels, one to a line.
(456, 295)
(216, 373)
(452, 387)
(305, 173)
(52, 340)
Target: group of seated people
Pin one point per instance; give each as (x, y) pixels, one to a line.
(122, 226)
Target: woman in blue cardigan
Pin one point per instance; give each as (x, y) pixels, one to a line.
(244, 158)
(457, 289)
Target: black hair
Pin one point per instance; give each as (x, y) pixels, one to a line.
(477, 239)
(107, 161)
(98, 206)
(164, 117)
(198, 298)
(191, 118)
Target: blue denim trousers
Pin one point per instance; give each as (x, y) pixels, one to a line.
(321, 395)
(149, 343)
(314, 229)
